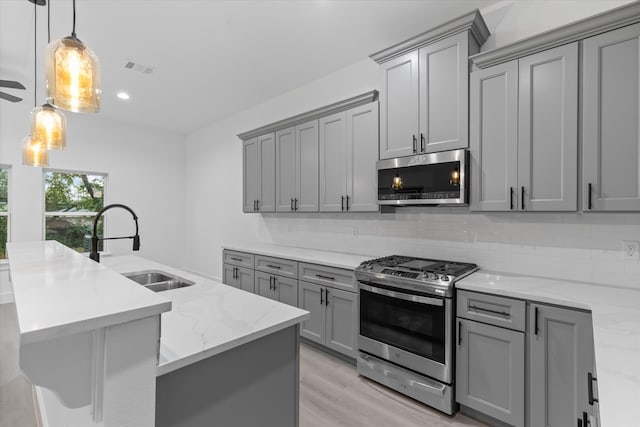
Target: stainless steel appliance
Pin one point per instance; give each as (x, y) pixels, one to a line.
(406, 325)
(425, 179)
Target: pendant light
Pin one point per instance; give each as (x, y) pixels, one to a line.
(73, 74)
(47, 123)
(34, 151)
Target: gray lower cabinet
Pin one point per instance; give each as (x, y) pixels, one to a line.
(561, 357)
(238, 277)
(278, 288)
(610, 135)
(333, 317)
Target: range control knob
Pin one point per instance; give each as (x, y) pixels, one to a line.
(444, 278)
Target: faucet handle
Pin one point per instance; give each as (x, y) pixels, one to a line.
(136, 243)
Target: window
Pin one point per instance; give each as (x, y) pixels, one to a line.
(4, 211)
(72, 200)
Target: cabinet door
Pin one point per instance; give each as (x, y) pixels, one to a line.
(548, 130)
(561, 355)
(342, 317)
(333, 162)
(229, 275)
(245, 279)
(267, 199)
(307, 167)
(399, 105)
(362, 174)
(285, 169)
(263, 285)
(444, 94)
(309, 298)
(250, 174)
(494, 138)
(286, 290)
(490, 371)
(611, 140)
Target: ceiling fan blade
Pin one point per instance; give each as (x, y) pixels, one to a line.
(12, 84)
(10, 97)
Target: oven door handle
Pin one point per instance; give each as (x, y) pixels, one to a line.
(408, 297)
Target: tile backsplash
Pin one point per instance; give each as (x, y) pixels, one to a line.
(583, 247)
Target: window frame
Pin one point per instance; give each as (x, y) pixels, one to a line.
(45, 213)
(7, 214)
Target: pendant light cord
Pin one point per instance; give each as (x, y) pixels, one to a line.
(73, 33)
(35, 53)
(48, 22)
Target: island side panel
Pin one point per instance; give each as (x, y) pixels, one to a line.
(255, 384)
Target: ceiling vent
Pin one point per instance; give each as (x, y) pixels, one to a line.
(144, 69)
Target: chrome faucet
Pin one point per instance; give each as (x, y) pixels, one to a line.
(94, 255)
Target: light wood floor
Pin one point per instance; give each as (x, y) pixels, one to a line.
(331, 392)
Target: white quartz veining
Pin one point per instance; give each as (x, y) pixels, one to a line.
(60, 292)
(331, 259)
(209, 317)
(616, 332)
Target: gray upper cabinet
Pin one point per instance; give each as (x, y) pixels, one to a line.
(548, 130)
(424, 88)
(399, 124)
(267, 200)
(348, 154)
(494, 137)
(251, 174)
(444, 94)
(285, 169)
(561, 356)
(524, 142)
(611, 142)
(307, 167)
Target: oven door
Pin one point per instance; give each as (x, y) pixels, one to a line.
(413, 331)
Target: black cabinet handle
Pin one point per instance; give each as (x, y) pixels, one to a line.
(295, 204)
(579, 422)
(589, 196)
(322, 276)
(585, 419)
(459, 332)
(590, 380)
(233, 273)
(422, 143)
(522, 198)
(277, 267)
(500, 313)
(535, 321)
(326, 297)
(275, 280)
(347, 202)
(321, 296)
(415, 144)
(511, 198)
(292, 203)
(257, 205)
(270, 282)
(254, 205)
(342, 202)
(236, 259)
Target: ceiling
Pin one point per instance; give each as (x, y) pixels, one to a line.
(211, 59)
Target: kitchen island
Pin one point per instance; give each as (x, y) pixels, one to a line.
(204, 352)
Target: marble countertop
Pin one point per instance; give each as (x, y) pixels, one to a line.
(60, 292)
(313, 256)
(616, 331)
(208, 317)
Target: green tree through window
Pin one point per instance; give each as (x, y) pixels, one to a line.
(71, 202)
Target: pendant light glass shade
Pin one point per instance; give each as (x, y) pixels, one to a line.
(34, 153)
(73, 76)
(49, 126)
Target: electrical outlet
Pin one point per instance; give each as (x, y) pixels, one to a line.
(631, 249)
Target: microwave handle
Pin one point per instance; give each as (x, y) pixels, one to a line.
(400, 295)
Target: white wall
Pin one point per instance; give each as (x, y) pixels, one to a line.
(145, 171)
(580, 246)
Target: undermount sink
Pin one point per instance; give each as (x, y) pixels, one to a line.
(157, 280)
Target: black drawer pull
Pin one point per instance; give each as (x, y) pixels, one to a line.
(590, 380)
(522, 198)
(511, 199)
(535, 322)
(292, 203)
(422, 142)
(341, 203)
(501, 313)
(326, 297)
(459, 333)
(295, 204)
(236, 259)
(585, 419)
(589, 195)
(322, 276)
(277, 267)
(321, 296)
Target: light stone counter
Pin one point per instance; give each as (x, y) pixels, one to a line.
(616, 331)
(313, 256)
(208, 317)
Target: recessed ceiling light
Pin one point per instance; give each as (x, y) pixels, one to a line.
(123, 95)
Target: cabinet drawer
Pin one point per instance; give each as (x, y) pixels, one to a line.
(241, 259)
(494, 310)
(279, 266)
(339, 278)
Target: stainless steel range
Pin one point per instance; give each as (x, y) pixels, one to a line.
(406, 325)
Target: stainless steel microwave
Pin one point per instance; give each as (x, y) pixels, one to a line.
(425, 179)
